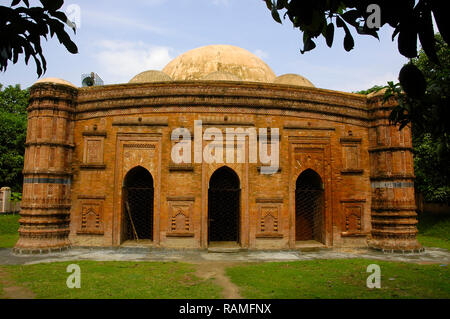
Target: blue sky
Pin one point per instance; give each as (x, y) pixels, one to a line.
(118, 39)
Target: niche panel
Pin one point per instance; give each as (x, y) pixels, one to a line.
(352, 219)
(91, 217)
(180, 216)
(269, 219)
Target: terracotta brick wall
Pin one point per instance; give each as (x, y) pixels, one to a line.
(119, 127)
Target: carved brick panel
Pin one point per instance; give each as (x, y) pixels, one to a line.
(269, 218)
(93, 150)
(91, 217)
(352, 221)
(351, 151)
(180, 217)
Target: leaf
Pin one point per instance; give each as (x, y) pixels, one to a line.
(15, 2)
(308, 44)
(412, 81)
(396, 31)
(426, 35)
(275, 15)
(329, 34)
(281, 4)
(349, 43)
(351, 16)
(440, 15)
(368, 31)
(52, 5)
(407, 40)
(339, 22)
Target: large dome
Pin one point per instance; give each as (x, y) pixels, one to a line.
(198, 63)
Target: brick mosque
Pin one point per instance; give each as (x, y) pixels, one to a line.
(99, 169)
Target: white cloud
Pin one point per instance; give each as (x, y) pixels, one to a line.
(103, 18)
(261, 54)
(119, 61)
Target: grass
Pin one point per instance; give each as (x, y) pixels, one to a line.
(111, 280)
(303, 279)
(339, 279)
(434, 230)
(9, 224)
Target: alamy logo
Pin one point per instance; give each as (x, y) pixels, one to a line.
(73, 13)
(374, 19)
(374, 280)
(74, 279)
(234, 144)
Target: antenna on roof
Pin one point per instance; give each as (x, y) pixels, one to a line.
(91, 79)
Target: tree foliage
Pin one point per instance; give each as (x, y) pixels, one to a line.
(410, 20)
(23, 27)
(428, 112)
(429, 115)
(431, 168)
(374, 88)
(13, 128)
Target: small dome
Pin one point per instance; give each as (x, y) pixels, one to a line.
(293, 79)
(380, 92)
(150, 76)
(221, 76)
(54, 81)
(198, 63)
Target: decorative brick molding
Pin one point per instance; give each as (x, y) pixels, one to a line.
(181, 168)
(303, 126)
(141, 122)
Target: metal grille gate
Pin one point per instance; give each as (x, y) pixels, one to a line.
(309, 208)
(138, 205)
(223, 206)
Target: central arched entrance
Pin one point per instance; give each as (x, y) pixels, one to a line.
(309, 206)
(137, 210)
(224, 206)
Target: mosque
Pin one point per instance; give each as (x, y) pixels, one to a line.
(104, 166)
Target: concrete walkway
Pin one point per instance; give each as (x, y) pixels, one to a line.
(431, 255)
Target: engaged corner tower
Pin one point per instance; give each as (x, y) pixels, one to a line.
(393, 210)
(45, 209)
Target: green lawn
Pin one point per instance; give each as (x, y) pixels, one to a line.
(339, 279)
(434, 230)
(9, 224)
(105, 280)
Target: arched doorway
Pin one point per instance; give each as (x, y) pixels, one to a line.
(309, 206)
(137, 205)
(224, 206)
